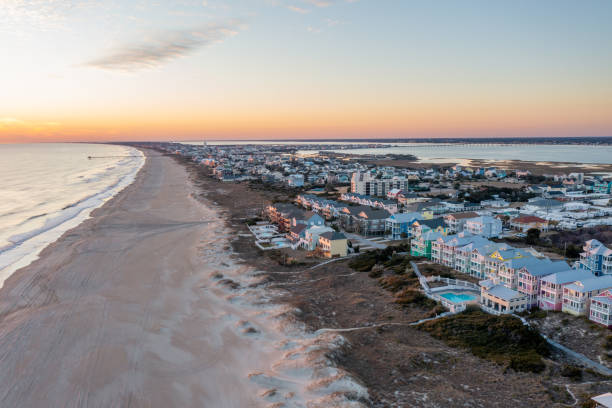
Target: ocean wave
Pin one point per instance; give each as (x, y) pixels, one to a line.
(28, 244)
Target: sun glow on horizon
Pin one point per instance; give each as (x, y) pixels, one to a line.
(254, 69)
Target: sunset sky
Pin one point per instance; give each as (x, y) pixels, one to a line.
(263, 69)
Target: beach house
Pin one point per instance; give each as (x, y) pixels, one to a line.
(596, 258)
(456, 221)
(577, 296)
(551, 287)
(333, 244)
(527, 222)
(312, 234)
(600, 311)
(419, 227)
(498, 299)
(421, 245)
(530, 277)
(486, 226)
(399, 226)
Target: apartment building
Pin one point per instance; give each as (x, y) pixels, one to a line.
(368, 184)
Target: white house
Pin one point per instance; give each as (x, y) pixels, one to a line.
(486, 226)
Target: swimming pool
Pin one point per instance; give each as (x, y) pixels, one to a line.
(458, 298)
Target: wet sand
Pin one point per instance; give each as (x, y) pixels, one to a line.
(122, 310)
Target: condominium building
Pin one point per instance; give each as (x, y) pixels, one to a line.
(368, 184)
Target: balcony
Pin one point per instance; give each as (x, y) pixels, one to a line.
(600, 309)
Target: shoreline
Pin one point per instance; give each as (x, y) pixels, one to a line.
(47, 236)
(143, 305)
(400, 365)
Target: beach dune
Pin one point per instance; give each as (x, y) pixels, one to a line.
(121, 310)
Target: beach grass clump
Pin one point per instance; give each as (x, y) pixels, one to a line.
(395, 283)
(502, 339)
(388, 257)
(571, 371)
(415, 297)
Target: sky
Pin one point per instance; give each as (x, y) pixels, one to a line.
(98, 70)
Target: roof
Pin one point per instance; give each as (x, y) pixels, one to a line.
(406, 217)
(543, 267)
(604, 297)
(544, 203)
(588, 285)
(462, 215)
(433, 223)
(333, 235)
(571, 275)
(298, 228)
(503, 292)
(374, 213)
(528, 219)
(604, 399)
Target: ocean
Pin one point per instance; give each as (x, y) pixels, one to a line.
(47, 189)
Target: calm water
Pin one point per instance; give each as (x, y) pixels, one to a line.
(437, 152)
(46, 189)
(445, 152)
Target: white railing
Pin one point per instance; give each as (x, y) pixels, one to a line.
(454, 282)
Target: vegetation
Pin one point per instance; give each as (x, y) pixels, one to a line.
(411, 296)
(366, 260)
(489, 192)
(253, 221)
(571, 371)
(533, 236)
(502, 339)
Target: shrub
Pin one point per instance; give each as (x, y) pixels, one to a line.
(397, 282)
(528, 362)
(414, 297)
(608, 343)
(503, 339)
(572, 371)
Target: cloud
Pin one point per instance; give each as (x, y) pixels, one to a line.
(326, 3)
(157, 51)
(16, 15)
(298, 9)
(11, 122)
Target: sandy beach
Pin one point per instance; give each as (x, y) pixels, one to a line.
(141, 306)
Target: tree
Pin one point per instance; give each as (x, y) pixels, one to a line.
(533, 236)
(404, 235)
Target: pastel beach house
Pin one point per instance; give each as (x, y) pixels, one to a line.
(551, 287)
(596, 258)
(577, 296)
(333, 244)
(601, 309)
(531, 274)
(497, 299)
